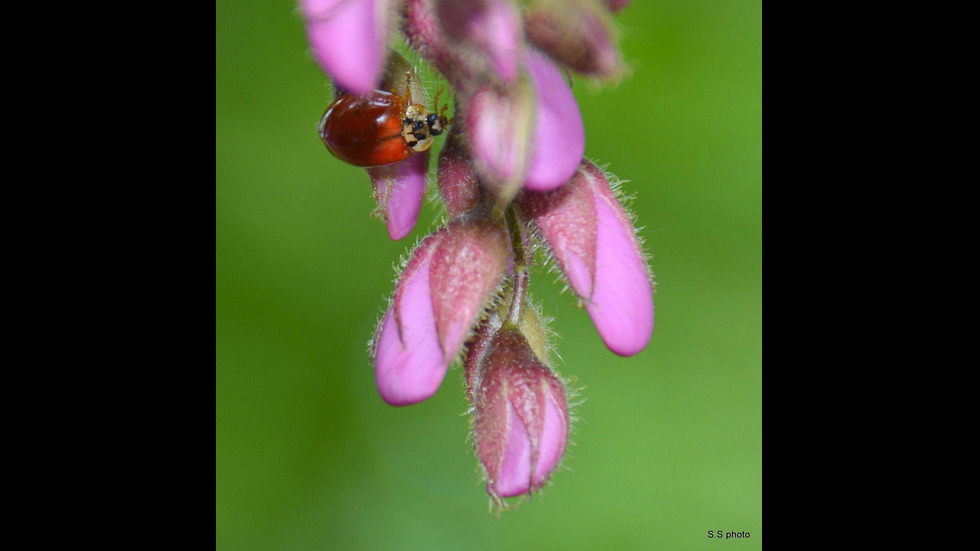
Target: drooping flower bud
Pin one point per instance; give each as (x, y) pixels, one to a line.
(594, 244)
(576, 33)
(426, 35)
(500, 129)
(559, 134)
(491, 29)
(616, 5)
(521, 418)
(459, 185)
(441, 294)
(348, 39)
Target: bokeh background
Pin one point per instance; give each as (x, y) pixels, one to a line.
(669, 442)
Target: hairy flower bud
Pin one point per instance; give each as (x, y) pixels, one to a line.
(490, 29)
(441, 294)
(459, 186)
(577, 33)
(593, 242)
(616, 5)
(500, 128)
(520, 416)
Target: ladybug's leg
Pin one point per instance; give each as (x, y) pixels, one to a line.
(436, 106)
(442, 113)
(408, 89)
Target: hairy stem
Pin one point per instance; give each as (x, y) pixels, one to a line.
(520, 269)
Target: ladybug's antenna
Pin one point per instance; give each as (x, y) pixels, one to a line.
(441, 90)
(408, 88)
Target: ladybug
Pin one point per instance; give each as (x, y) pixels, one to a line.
(380, 128)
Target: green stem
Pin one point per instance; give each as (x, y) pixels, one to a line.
(520, 270)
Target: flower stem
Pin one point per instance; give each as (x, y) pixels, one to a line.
(520, 270)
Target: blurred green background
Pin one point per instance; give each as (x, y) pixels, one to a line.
(669, 445)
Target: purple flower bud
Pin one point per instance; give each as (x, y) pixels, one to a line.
(427, 36)
(499, 125)
(440, 296)
(398, 192)
(578, 34)
(458, 184)
(559, 135)
(521, 417)
(489, 28)
(594, 244)
(348, 39)
(616, 5)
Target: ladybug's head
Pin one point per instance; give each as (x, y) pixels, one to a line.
(416, 128)
(437, 123)
(420, 127)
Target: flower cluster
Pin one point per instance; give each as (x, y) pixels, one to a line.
(514, 181)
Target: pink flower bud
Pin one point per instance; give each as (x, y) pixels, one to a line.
(398, 191)
(348, 39)
(441, 294)
(593, 242)
(521, 417)
(559, 135)
(500, 125)
(458, 183)
(489, 28)
(616, 5)
(577, 33)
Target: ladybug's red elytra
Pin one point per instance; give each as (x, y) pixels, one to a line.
(380, 128)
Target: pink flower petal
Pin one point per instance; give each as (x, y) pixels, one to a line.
(409, 370)
(499, 130)
(622, 301)
(559, 134)
(554, 433)
(399, 191)
(490, 28)
(499, 34)
(514, 478)
(408, 358)
(349, 39)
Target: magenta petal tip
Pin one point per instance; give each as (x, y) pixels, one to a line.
(348, 39)
(559, 134)
(408, 359)
(621, 306)
(498, 31)
(405, 200)
(408, 370)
